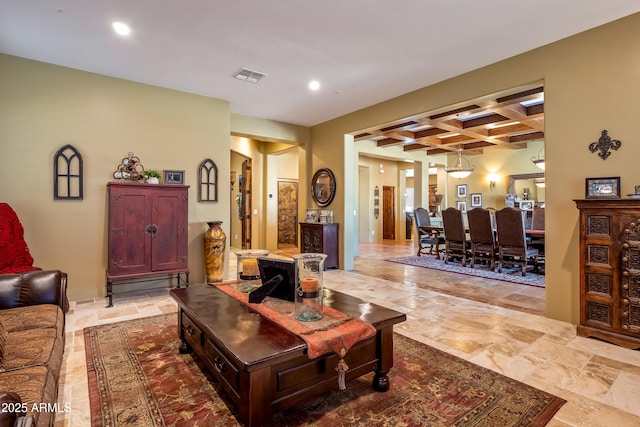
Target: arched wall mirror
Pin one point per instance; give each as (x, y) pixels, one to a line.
(323, 187)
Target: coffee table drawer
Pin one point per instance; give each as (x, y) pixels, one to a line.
(222, 367)
(191, 332)
(305, 374)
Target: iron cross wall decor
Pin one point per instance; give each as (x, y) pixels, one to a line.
(604, 144)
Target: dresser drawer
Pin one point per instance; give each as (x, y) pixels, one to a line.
(191, 333)
(221, 367)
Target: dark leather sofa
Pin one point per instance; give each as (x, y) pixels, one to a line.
(32, 318)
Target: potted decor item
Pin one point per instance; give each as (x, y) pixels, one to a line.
(214, 246)
(153, 176)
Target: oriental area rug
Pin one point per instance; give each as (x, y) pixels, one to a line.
(508, 274)
(137, 377)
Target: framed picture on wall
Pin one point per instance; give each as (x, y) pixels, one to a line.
(476, 200)
(462, 206)
(462, 191)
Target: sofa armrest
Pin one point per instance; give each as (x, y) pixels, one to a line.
(10, 400)
(34, 287)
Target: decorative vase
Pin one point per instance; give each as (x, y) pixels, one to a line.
(309, 288)
(214, 244)
(248, 271)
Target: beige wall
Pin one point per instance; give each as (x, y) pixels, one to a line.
(501, 162)
(43, 107)
(591, 84)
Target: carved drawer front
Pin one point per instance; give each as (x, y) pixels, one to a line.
(630, 303)
(222, 368)
(192, 333)
(599, 284)
(598, 254)
(598, 225)
(599, 314)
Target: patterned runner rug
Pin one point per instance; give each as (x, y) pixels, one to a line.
(508, 274)
(137, 377)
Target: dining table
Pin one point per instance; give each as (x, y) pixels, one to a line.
(438, 231)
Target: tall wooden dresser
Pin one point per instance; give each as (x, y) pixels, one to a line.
(610, 270)
(148, 232)
(316, 237)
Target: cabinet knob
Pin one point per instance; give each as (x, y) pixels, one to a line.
(151, 230)
(625, 286)
(625, 314)
(625, 245)
(219, 364)
(625, 301)
(625, 273)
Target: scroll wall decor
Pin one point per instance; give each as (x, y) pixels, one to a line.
(604, 145)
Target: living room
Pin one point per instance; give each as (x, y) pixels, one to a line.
(590, 84)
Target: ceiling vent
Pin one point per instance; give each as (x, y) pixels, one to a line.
(248, 75)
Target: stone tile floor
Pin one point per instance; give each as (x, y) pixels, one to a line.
(494, 324)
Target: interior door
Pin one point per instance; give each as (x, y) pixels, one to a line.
(245, 210)
(388, 213)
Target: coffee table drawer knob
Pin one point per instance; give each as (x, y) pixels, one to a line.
(190, 330)
(219, 364)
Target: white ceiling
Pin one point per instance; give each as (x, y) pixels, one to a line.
(362, 51)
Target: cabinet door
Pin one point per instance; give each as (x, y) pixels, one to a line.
(129, 215)
(170, 243)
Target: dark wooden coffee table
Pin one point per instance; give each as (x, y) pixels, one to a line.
(265, 368)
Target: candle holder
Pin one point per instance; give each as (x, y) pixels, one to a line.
(248, 272)
(309, 288)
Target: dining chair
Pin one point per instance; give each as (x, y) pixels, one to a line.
(456, 244)
(512, 243)
(482, 236)
(428, 242)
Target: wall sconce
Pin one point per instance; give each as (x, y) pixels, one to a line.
(539, 161)
(233, 179)
(381, 168)
(492, 178)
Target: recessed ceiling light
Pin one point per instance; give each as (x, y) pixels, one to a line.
(314, 85)
(122, 29)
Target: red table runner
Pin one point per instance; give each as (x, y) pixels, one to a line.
(336, 332)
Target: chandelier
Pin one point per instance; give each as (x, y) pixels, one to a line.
(457, 169)
(539, 161)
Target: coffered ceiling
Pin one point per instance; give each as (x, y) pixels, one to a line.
(511, 118)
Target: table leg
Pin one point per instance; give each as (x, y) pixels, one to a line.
(384, 345)
(110, 292)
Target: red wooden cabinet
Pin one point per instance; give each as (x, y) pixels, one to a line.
(147, 232)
